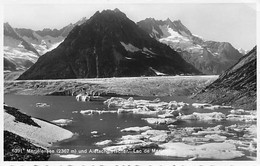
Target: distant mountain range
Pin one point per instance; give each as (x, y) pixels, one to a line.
(22, 47)
(210, 57)
(124, 54)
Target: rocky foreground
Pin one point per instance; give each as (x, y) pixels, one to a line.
(27, 138)
(236, 86)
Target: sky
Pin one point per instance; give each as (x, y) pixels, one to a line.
(225, 22)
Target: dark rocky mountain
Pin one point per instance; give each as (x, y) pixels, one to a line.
(210, 57)
(108, 45)
(236, 86)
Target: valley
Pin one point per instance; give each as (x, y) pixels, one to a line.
(109, 88)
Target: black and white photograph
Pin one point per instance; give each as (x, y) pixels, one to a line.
(129, 81)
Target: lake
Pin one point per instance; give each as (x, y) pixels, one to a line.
(107, 125)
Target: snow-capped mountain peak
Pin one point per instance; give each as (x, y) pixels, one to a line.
(242, 51)
(210, 57)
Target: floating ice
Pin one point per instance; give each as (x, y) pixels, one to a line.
(136, 129)
(91, 112)
(159, 138)
(216, 137)
(154, 132)
(129, 147)
(237, 111)
(246, 118)
(218, 116)
(195, 139)
(69, 156)
(42, 105)
(94, 132)
(130, 141)
(133, 137)
(209, 106)
(62, 122)
(160, 120)
(221, 151)
(103, 143)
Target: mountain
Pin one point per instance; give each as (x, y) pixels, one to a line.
(22, 47)
(210, 57)
(18, 53)
(236, 86)
(47, 39)
(108, 45)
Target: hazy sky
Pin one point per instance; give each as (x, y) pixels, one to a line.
(231, 22)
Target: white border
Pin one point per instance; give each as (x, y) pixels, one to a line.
(141, 163)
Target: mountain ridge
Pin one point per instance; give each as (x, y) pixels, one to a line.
(236, 86)
(108, 44)
(210, 57)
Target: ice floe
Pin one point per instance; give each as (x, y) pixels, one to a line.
(237, 111)
(94, 132)
(195, 139)
(87, 97)
(217, 116)
(62, 122)
(160, 120)
(103, 143)
(136, 129)
(42, 105)
(129, 147)
(246, 118)
(209, 106)
(69, 156)
(133, 137)
(159, 138)
(221, 151)
(91, 112)
(153, 132)
(216, 137)
(130, 141)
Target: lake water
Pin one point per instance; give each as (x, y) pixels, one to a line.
(108, 125)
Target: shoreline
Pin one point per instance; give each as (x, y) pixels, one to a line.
(29, 135)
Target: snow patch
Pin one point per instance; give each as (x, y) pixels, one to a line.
(157, 72)
(43, 136)
(129, 47)
(154, 31)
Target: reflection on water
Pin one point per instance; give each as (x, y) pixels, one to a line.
(107, 125)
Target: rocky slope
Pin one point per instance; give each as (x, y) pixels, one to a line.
(27, 138)
(15, 149)
(108, 45)
(236, 86)
(210, 57)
